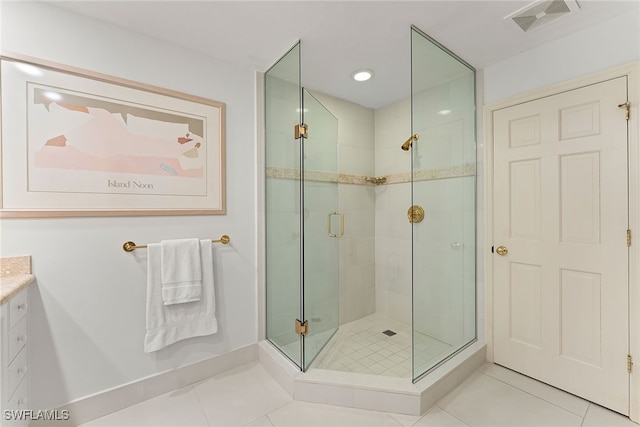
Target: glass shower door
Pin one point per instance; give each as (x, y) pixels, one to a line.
(283, 202)
(443, 184)
(303, 223)
(323, 226)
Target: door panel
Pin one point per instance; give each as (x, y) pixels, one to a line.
(561, 209)
(321, 230)
(282, 204)
(525, 289)
(301, 200)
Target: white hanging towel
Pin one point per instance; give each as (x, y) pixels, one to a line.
(166, 324)
(181, 271)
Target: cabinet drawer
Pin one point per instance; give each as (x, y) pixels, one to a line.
(17, 339)
(19, 398)
(16, 371)
(18, 402)
(17, 308)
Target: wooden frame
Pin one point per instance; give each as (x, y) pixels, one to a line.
(80, 143)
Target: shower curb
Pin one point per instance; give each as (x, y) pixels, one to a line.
(380, 393)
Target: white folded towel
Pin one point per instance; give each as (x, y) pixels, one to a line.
(181, 271)
(166, 324)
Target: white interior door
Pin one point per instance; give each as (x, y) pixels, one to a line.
(561, 211)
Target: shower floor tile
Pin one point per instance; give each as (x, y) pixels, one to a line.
(361, 346)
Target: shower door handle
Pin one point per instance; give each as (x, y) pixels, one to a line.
(329, 224)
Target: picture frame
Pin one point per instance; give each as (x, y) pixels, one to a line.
(80, 143)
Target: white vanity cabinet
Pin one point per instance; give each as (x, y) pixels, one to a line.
(14, 383)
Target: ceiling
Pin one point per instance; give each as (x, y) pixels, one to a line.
(338, 37)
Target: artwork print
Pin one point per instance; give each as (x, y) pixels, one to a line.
(79, 143)
(113, 147)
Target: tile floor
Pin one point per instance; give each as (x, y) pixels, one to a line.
(248, 396)
(361, 346)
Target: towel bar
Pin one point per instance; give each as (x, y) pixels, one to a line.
(130, 246)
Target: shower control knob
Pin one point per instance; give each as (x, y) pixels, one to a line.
(415, 214)
(502, 250)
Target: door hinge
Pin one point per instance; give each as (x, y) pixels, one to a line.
(302, 327)
(300, 131)
(629, 363)
(627, 107)
(628, 237)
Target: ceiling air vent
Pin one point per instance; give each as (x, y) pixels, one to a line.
(540, 13)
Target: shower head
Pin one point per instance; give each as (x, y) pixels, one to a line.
(409, 142)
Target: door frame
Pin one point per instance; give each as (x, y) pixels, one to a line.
(632, 72)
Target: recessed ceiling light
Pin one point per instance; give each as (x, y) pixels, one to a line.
(444, 112)
(362, 75)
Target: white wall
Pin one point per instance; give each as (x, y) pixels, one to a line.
(87, 308)
(613, 42)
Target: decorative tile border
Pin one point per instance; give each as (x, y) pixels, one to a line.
(443, 173)
(342, 178)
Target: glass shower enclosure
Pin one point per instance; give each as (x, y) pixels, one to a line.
(304, 222)
(443, 183)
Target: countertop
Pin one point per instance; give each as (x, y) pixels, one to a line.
(15, 275)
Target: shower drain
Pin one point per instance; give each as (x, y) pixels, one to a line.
(389, 333)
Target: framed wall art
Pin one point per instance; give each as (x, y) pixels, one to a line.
(79, 143)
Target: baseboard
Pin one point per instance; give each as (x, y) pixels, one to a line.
(106, 402)
(278, 366)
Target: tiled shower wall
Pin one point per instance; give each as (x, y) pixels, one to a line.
(444, 243)
(357, 203)
(393, 230)
(375, 252)
(375, 260)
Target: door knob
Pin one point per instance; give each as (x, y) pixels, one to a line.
(502, 250)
